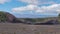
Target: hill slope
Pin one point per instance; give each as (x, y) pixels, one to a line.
(7, 17)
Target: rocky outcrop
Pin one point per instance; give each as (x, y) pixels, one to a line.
(7, 17)
(50, 22)
(10, 17)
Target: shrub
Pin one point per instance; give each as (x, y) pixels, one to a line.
(2, 17)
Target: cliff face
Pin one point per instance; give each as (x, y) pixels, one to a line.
(7, 17)
(10, 17)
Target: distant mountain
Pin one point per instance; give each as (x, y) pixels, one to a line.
(33, 16)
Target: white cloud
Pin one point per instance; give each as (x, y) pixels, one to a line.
(24, 8)
(55, 8)
(30, 1)
(52, 8)
(38, 2)
(4, 1)
(28, 8)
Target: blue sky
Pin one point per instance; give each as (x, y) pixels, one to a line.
(31, 8)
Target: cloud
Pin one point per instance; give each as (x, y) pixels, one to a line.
(30, 1)
(52, 8)
(25, 8)
(55, 8)
(4, 1)
(28, 8)
(38, 2)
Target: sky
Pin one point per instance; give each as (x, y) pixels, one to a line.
(31, 8)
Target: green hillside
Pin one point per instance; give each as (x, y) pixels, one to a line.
(40, 20)
(2, 17)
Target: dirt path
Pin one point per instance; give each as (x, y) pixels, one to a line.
(8, 28)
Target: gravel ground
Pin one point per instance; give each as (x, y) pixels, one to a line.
(18, 28)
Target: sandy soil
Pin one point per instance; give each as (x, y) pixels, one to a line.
(18, 28)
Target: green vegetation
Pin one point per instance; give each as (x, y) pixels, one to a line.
(30, 19)
(2, 17)
(59, 15)
(40, 20)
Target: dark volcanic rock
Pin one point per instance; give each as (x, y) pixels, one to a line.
(50, 22)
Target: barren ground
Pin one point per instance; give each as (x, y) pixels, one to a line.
(18, 28)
